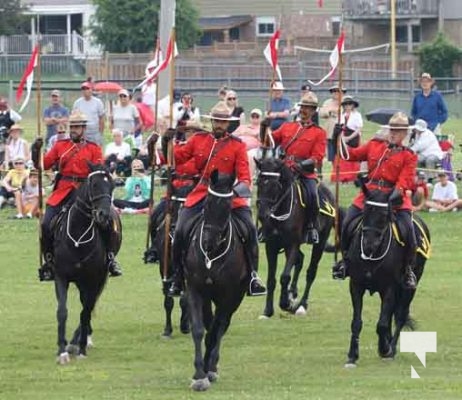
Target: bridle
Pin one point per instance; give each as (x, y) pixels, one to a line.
(378, 230)
(275, 203)
(228, 233)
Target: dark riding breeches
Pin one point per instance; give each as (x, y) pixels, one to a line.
(312, 202)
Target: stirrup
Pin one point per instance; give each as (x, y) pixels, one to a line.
(339, 270)
(410, 280)
(174, 290)
(312, 236)
(113, 266)
(256, 287)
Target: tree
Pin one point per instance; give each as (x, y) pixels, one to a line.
(119, 26)
(12, 17)
(438, 57)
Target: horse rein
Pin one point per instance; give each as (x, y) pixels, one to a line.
(390, 234)
(208, 260)
(282, 217)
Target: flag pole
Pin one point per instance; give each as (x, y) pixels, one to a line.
(38, 94)
(337, 158)
(170, 165)
(153, 161)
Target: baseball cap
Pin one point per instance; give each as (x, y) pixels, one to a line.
(123, 92)
(426, 75)
(256, 111)
(56, 92)
(420, 125)
(85, 85)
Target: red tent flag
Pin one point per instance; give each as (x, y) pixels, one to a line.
(334, 58)
(271, 53)
(27, 78)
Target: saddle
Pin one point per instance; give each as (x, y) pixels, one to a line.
(325, 206)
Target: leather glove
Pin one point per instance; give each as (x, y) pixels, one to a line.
(169, 134)
(151, 145)
(307, 165)
(241, 189)
(35, 152)
(38, 143)
(396, 198)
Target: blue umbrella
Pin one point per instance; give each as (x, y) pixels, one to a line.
(382, 115)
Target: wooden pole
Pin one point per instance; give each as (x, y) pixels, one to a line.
(337, 159)
(393, 37)
(38, 94)
(170, 165)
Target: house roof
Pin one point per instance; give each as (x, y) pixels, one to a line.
(55, 2)
(220, 23)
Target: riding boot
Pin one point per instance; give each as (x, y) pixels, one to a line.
(312, 234)
(177, 286)
(256, 287)
(409, 278)
(113, 266)
(340, 269)
(46, 271)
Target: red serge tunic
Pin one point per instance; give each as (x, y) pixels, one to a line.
(310, 143)
(72, 161)
(228, 155)
(392, 166)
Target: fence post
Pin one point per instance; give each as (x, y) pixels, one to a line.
(356, 78)
(10, 92)
(411, 83)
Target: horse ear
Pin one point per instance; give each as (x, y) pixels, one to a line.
(91, 166)
(214, 176)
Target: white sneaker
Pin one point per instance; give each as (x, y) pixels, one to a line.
(432, 210)
(454, 209)
(29, 215)
(19, 216)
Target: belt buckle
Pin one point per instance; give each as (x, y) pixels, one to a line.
(381, 182)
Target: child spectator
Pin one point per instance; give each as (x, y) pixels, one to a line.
(137, 190)
(420, 192)
(12, 185)
(30, 195)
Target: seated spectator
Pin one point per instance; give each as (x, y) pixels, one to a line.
(444, 197)
(137, 191)
(420, 193)
(61, 134)
(16, 147)
(447, 147)
(250, 135)
(30, 195)
(12, 185)
(118, 154)
(185, 115)
(426, 147)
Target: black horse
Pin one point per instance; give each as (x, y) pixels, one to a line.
(376, 257)
(81, 235)
(282, 217)
(156, 253)
(215, 269)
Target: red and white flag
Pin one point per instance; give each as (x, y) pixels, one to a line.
(334, 58)
(271, 53)
(172, 51)
(152, 65)
(27, 78)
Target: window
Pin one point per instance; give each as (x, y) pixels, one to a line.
(335, 25)
(266, 26)
(234, 34)
(401, 34)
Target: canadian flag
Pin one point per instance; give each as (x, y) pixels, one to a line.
(271, 53)
(334, 58)
(172, 51)
(152, 65)
(28, 78)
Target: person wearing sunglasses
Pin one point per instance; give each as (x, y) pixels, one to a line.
(12, 185)
(93, 108)
(186, 116)
(236, 111)
(125, 116)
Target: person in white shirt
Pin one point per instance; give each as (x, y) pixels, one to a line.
(125, 115)
(16, 147)
(118, 154)
(444, 197)
(185, 115)
(426, 146)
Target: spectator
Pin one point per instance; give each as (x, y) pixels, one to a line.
(93, 109)
(8, 118)
(54, 115)
(118, 154)
(426, 147)
(222, 92)
(279, 111)
(429, 105)
(125, 115)
(12, 185)
(444, 197)
(137, 190)
(250, 135)
(352, 123)
(185, 115)
(61, 134)
(329, 113)
(420, 193)
(16, 147)
(236, 111)
(30, 195)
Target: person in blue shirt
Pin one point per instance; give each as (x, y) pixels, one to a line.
(429, 105)
(54, 115)
(280, 106)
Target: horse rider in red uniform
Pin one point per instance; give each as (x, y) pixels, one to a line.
(226, 153)
(185, 177)
(303, 147)
(70, 156)
(391, 169)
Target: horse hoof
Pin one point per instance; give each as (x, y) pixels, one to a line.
(72, 349)
(185, 330)
(200, 385)
(63, 358)
(81, 356)
(212, 376)
(166, 335)
(90, 342)
(350, 365)
(387, 357)
(301, 311)
(264, 317)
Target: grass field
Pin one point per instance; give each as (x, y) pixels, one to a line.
(286, 357)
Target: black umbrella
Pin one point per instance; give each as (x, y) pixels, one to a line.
(382, 115)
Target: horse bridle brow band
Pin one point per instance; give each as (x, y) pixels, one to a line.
(211, 191)
(277, 174)
(377, 204)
